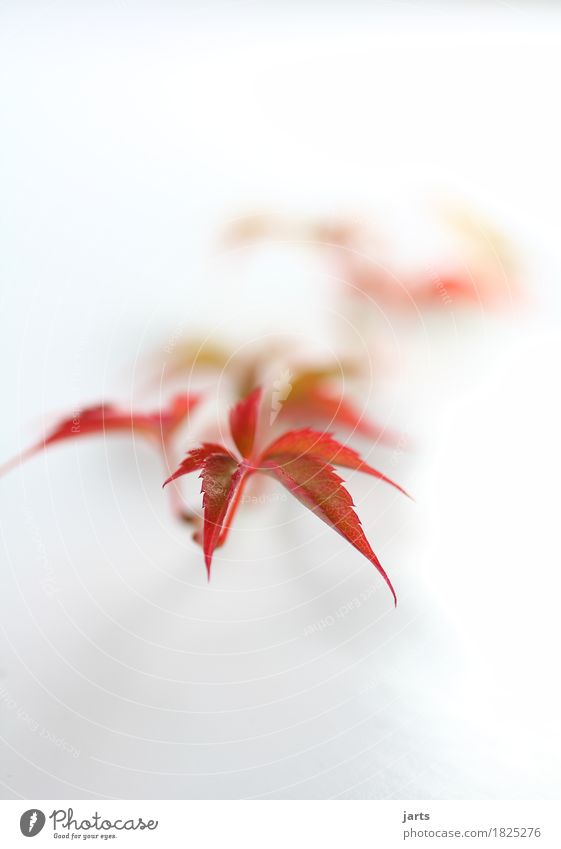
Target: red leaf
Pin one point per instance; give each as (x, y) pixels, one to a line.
(105, 418)
(195, 459)
(301, 460)
(222, 478)
(324, 447)
(243, 422)
(319, 488)
(320, 405)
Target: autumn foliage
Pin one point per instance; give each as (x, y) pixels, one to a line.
(289, 409)
(300, 460)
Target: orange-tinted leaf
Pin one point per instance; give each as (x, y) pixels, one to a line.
(322, 446)
(310, 378)
(191, 356)
(318, 487)
(243, 422)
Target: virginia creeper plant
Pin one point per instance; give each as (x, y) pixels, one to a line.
(301, 460)
(306, 396)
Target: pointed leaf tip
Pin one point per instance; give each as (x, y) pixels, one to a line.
(221, 477)
(316, 485)
(102, 419)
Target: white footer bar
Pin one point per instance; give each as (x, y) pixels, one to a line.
(282, 824)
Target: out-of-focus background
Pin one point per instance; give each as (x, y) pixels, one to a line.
(133, 138)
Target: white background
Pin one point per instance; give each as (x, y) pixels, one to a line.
(129, 135)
